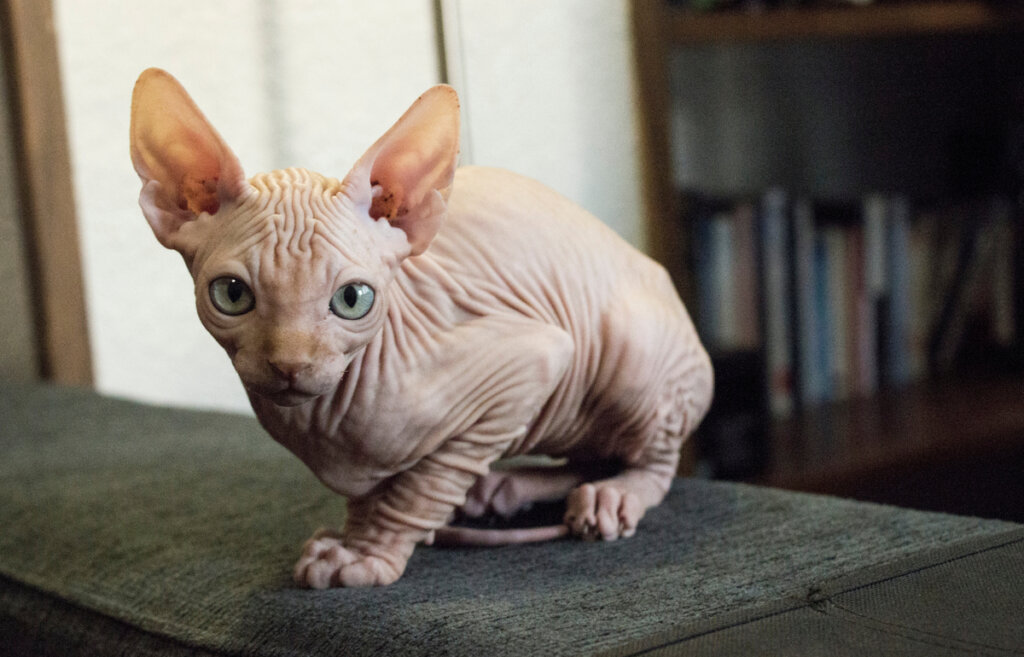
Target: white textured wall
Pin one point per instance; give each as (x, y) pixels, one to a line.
(547, 86)
(549, 91)
(284, 82)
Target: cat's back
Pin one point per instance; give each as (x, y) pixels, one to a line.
(509, 230)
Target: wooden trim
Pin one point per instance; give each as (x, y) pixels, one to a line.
(665, 236)
(47, 193)
(880, 20)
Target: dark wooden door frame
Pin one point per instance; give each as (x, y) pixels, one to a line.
(666, 241)
(29, 43)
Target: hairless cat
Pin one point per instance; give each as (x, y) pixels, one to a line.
(402, 329)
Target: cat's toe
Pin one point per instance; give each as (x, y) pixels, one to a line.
(580, 511)
(322, 556)
(368, 571)
(602, 511)
(325, 562)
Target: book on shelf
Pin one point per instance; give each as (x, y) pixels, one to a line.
(776, 305)
(978, 308)
(845, 298)
(806, 333)
(727, 285)
(898, 345)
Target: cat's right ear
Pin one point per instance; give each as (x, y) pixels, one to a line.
(185, 166)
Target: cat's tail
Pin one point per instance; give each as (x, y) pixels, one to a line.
(470, 536)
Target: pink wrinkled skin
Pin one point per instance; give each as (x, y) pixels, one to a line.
(505, 321)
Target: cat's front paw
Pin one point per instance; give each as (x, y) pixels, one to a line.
(327, 562)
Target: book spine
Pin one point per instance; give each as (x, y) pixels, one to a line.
(876, 290)
(810, 372)
(838, 294)
(746, 334)
(723, 298)
(923, 297)
(777, 302)
(858, 347)
(898, 340)
(824, 322)
(702, 265)
(1003, 306)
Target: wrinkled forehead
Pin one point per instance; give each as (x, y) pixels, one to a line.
(294, 228)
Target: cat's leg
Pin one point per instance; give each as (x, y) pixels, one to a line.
(382, 531)
(660, 378)
(495, 377)
(505, 492)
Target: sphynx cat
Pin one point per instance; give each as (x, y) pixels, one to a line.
(400, 373)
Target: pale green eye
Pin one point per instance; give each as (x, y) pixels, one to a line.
(352, 301)
(231, 296)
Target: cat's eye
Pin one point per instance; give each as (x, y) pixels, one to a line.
(231, 296)
(352, 301)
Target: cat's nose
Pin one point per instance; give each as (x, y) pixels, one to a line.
(288, 370)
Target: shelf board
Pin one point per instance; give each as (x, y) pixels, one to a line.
(687, 28)
(829, 449)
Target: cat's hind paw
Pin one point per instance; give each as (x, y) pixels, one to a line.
(603, 511)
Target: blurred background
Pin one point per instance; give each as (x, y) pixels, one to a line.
(843, 186)
(547, 90)
(835, 187)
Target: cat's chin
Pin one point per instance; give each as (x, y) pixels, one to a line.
(291, 398)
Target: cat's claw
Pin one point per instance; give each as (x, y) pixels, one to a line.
(326, 562)
(602, 511)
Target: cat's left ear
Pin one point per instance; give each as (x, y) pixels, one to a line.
(406, 176)
(185, 166)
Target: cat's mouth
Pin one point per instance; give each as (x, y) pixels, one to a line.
(289, 395)
(292, 397)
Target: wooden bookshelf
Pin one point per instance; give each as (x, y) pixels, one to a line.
(955, 445)
(687, 28)
(833, 448)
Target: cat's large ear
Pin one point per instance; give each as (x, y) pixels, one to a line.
(406, 176)
(185, 166)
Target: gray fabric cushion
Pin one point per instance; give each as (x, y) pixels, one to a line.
(130, 529)
(961, 600)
